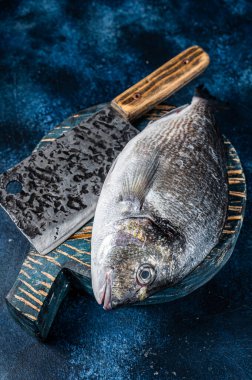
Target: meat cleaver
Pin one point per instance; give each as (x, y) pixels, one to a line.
(54, 191)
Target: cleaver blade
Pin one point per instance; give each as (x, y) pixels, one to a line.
(54, 191)
(60, 184)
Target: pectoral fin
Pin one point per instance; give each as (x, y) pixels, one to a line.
(139, 178)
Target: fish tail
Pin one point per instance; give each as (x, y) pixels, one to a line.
(203, 93)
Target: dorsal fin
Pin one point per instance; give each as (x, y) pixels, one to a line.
(169, 114)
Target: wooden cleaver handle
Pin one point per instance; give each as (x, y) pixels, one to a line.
(162, 83)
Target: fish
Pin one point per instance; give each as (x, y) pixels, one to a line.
(162, 206)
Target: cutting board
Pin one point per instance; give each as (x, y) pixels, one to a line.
(44, 281)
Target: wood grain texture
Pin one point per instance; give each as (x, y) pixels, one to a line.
(44, 281)
(162, 83)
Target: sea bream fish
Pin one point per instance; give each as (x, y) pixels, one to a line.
(162, 206)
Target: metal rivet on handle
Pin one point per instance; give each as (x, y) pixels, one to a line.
(137, 95)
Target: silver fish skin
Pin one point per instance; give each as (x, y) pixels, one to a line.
(162, 206)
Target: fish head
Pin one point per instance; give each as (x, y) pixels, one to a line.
(134, 261)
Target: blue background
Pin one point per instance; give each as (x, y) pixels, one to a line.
(60, 56)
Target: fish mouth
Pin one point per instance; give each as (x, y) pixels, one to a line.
(105, 292)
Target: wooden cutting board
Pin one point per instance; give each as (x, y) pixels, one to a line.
(44, 281)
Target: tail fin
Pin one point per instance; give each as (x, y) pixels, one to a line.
(202, 92)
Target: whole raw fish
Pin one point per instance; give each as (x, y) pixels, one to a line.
(162, 206)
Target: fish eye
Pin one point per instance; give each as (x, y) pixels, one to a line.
(145, 274)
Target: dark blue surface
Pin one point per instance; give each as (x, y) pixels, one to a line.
(60, 56)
